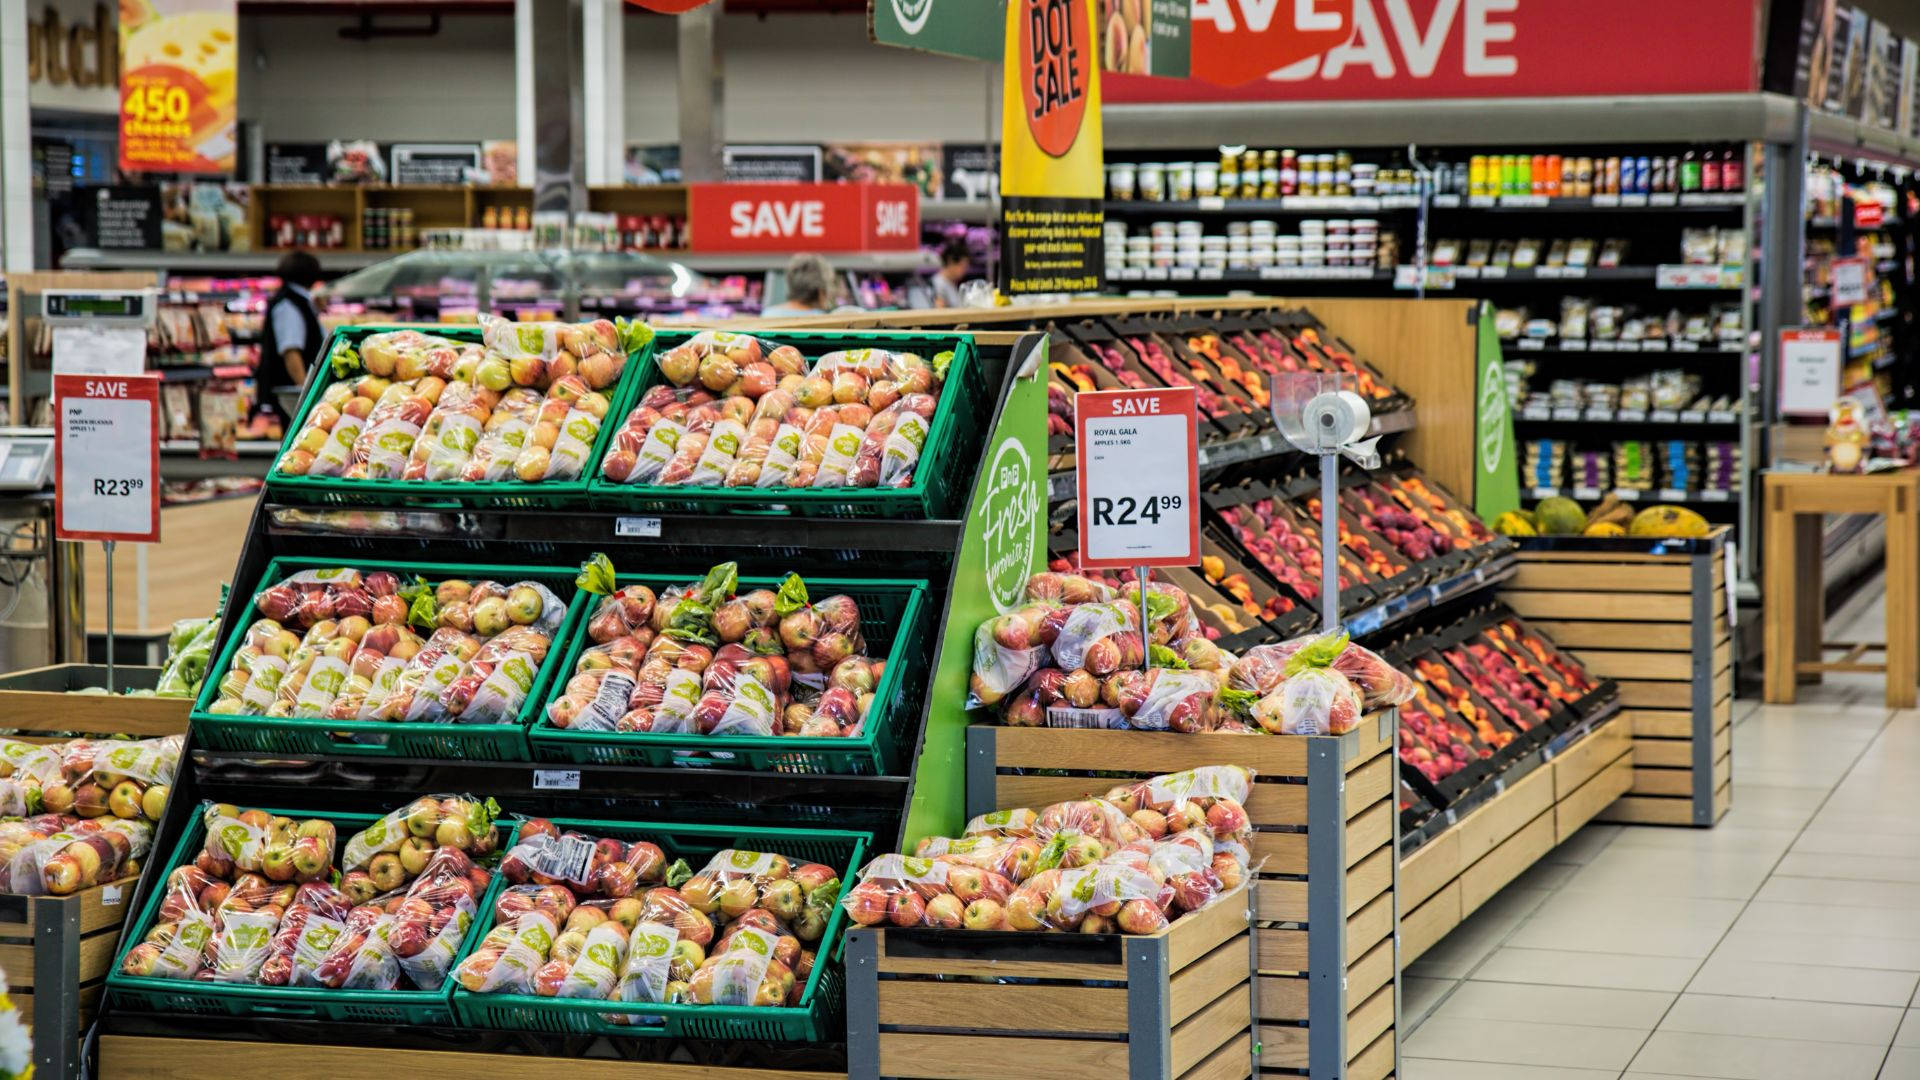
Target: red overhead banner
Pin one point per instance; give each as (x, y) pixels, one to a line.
(1292, 50)
(804, 217)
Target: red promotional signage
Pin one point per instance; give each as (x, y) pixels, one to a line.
(1137, 455)
(804, 217)
(1868, 214)
(106, 457)
(1395, 49)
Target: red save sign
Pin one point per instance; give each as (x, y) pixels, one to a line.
(1868, 214)
(1399, 49)
(106, 457)
(804, 217)
(1137, 458)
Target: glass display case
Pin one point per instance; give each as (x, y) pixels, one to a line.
(440, 284)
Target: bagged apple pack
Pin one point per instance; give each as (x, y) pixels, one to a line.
(431, 923)
(591, 866)
(742, 971)
(414, 834)
(245, 925)
(313, 924)
(93, 852)
(1210, 799)
(509, 956)
(649, 968)
(25, 770)
(503, 436)
(447, 442)
(362, 959)
(1263, 668)
(381, 451)
(175, 947)
(255, 841)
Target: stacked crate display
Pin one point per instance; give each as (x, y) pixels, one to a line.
(55, 951)
(1653, 615)
(1322, 808)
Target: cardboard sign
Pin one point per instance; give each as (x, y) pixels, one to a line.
(178, 87)
(1809, 370)
(1350, 50)
(106, 457)
(1052, 178)
(1138, 461)
(804, 217)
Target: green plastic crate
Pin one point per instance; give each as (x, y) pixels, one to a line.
(896, 631)
(426, 1007)
(957, 423)
(423, 494)
(382, 738)
(820, 1001)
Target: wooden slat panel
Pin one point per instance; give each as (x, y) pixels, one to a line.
(1649, 810)
(1635, 694)
(188, 1059)
(996, 969)
(1284, 853)
(1209, 977)
(1373, 923)
(1427, 924)
(1597, 557)
(1722, 770)
(1578, 634)
(1270, 804)
(960, 1057)
(1282, 950)
(1663, 782)
(1662, 753)
(1197, 1037)
(1233, 1061)
(1621, 664)
(1282, 1046)
(1286, 901)
(1370, 738)
(1722, 800)
(1375, 1062)
(1594, 796)
(1579, 762)
(1369, 973)
(1078, 1009)
(1283, 997)
(1373, 1016)
(1194, 936)
(1370, 830)
(1368, 784)
(1638, 607)
(1480, 881)
(1369, 878)
(94, 914)
(1543, 575)
(1147, 752)
(1430, 867)
(1493, 821)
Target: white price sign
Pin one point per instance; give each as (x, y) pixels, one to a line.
(106, 455)
(1850, 281)
(1139, 477)
(1809, 370)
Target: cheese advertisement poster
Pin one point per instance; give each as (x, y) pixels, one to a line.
(177, 86)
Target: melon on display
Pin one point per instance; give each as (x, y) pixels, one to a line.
(1668, 521)
(1560, 517)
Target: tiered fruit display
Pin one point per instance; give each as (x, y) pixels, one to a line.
(257, 905)
(1402, 528)
(1562, 676)
(80, 813)
(345, 645)
(609, 919)
(526, 403)
(1286, 547)
(1155, 358)
(1373, 558)
(1519, 713)
(736, 411)
(1462, 701)
(1127, 862)
(1067, 380)
(1234, 582)
(706, 659)
(1438, 744)
(1109, 356)
(1437, 508)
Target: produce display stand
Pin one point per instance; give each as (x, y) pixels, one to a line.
(56, 951)
(1473, 849)
(1323, 855)
(921, 777)
(1177, 1003)
(1653, 615)
(43, 700)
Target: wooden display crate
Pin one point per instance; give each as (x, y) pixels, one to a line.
(1566, 784)
(1177, 1003)
(55, 951)
(41, 699)
(161, 1058)
(1325, 912)
(1652, 615)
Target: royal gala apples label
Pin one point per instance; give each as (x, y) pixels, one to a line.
(177, 86)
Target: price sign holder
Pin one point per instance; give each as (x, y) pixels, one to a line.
(106, 466)
(1810, 369)
(1137, 469)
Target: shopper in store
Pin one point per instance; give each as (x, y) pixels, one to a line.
(955, 260)
(810, 288)
(292, 336)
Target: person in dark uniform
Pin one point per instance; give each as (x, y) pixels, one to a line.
(291, 339)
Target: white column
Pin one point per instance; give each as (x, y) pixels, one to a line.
(16, 141)
(605, 72)
(525, 134)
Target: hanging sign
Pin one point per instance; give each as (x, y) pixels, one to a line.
(1809, 370)
(1849, 280)
(106, 457)
(177, 79)
(1051, 174)
(1138, 470)
(1868, 214)
(965, 28)
(804, 217)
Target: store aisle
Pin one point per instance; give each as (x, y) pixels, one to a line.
(1781, 944)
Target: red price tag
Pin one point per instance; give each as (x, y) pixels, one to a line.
(106, 457)
(1137, 455)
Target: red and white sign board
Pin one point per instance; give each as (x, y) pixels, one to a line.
(1138, 458)
(106, 457)
(1809, 370)
(1868, 214)
(804, 217)
(1352, 50)
(1850, 281)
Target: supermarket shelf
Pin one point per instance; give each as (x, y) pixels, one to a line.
(1585, 346)
(1845, 135)
(1657, 495)
(1565, 414)
(1372, 620)
(1063, 485)
(1662, 277)
(342, 261)
(245, 447)
(1267, 273)
(1686, 200)
(1517, 121)
(1286, 204)
(1826, 222)
(973, 212)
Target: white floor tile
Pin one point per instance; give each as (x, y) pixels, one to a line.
(1768, 1018)
(1412, 1068)
(1515, 1042)
(1903, 1063)
(1883, 923)
(1836, 944)
(1419, 995)
(1909, 1034)
(1564, 967)
(1851, 867)
(1726, 973)
(1654, 872)
(1639, 1010)
(1740, 1058)
(1813, 890)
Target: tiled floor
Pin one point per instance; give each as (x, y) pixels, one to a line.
(1784, 943)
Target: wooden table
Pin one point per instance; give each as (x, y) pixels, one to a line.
(1792, 592)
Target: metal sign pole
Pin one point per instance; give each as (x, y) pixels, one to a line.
(108, 544)
(1146, 654)
(1329, 541)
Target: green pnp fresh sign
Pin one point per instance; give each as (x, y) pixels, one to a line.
(974, 29)
(1496, 479)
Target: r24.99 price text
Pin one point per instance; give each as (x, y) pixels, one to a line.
(1129, 511)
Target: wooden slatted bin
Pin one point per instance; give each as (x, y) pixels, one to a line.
(1651, 614)
(55, 951)
(956, 1004)
(1323, 811)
